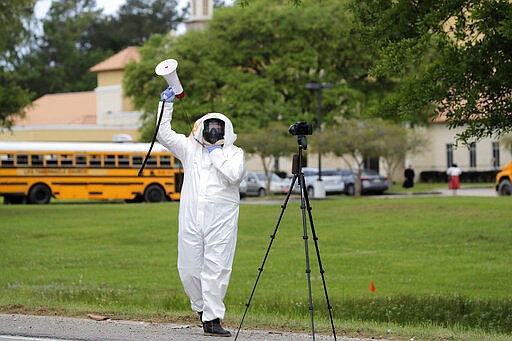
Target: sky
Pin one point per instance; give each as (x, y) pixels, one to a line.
(109, 6)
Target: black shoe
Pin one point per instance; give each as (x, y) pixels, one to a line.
(200, 313)
(213, 328)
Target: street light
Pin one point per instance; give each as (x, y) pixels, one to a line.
(318, 87)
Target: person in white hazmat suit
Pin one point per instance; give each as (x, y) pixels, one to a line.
(209, 206)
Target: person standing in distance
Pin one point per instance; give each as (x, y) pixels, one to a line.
(409, 177)
(454, 173)
(209, 208)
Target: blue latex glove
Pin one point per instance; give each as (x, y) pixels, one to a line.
(167, 95)
(212, 148)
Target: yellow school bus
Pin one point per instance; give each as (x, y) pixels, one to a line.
(35, 172)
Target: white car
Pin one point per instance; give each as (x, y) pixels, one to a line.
(257, 183)
(331, 179)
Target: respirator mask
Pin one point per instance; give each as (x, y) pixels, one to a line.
(213, 132)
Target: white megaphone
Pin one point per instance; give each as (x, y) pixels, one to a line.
(167, 69)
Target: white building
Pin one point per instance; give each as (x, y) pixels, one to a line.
(201, 12)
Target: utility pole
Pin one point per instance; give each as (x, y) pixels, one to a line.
(318, 87)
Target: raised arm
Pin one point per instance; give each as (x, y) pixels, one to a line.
(176, 143)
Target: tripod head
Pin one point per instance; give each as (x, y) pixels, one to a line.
(301, 140)
(298, 160)
(300, 129)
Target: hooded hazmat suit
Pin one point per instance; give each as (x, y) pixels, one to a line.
(208, 215)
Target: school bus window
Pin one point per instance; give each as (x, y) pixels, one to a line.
(95, 161)
(152, 162)
(36, 159)
(123, 160)
(137, 160)
(51, 159)
(80, 160)
(177, 164)
(7, 160)
(66, 160)
(22, 160)
(110, 160)
(165, 161)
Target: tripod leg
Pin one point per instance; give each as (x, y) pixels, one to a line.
(303, 196)
(272, 237)
(315, 239)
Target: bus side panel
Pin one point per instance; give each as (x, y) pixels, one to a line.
(114, 188)
(69, 190)
(17, 182)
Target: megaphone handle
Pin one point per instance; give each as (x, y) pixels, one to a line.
(141, 170)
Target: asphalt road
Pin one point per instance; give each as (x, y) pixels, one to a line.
(14, 327)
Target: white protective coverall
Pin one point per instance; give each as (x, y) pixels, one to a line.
(208, 215)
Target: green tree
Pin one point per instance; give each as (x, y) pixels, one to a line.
(396, 141)
(61, 61)
(76, 36)
(452, 58)
(507, 142)
(354, 140)
(134, 23)
(253, 63)
(15, 17)
(268, 143)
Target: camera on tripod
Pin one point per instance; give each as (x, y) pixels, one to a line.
(301, 128)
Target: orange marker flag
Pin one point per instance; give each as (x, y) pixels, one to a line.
(372, 287)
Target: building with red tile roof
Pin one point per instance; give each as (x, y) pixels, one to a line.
(96, 115)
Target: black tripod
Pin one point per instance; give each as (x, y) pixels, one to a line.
(304, 201)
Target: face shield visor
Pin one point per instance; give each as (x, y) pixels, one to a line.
(213, 130)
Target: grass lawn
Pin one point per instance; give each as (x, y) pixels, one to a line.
(440, 265)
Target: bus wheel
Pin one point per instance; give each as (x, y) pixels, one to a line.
(39, 194)
(154, 193)
(505, 187)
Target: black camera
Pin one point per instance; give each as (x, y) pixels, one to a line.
(301, 128)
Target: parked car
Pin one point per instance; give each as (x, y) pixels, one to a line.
(257, 183)
(371, 181)
(243, 188)
(332, 181)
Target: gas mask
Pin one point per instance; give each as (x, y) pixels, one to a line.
(213, 132)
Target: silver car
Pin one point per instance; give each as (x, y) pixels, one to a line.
(371, 181)
(243, 188)
(257, 183)
(331, 179)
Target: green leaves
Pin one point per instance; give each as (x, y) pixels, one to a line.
(252, 63)
(14, 16)
(451, 58)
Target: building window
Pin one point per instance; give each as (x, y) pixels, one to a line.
(206, 7)
(449, 155)
(495, 162)
(371, 163)
(472, 154)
